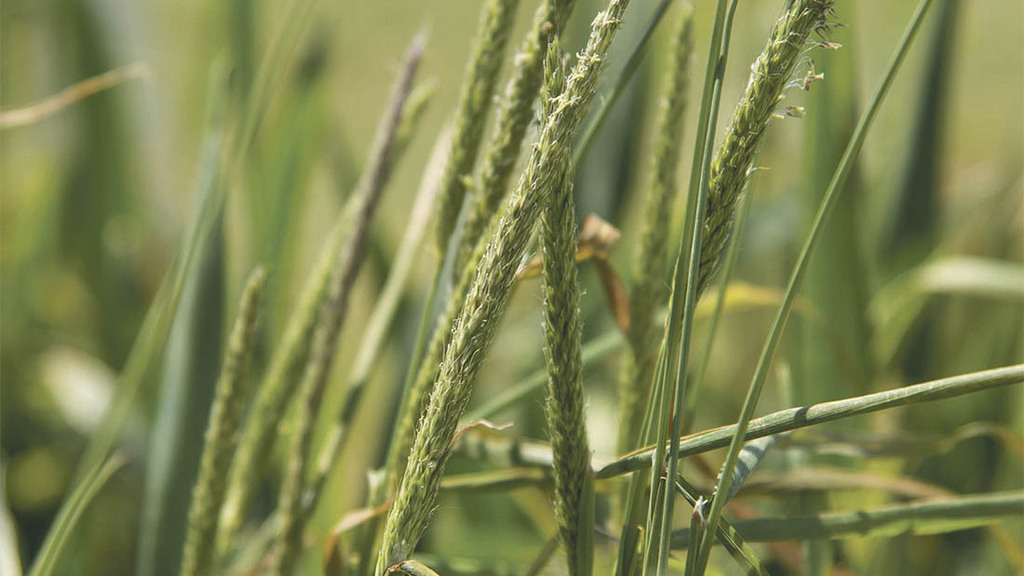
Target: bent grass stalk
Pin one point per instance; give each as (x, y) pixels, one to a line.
(804, 416)
(796, 280)
(226, 415)
(485, 303)
(332, 315)
(574, 483)
(537, 454)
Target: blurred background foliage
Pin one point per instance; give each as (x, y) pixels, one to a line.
(920, 275)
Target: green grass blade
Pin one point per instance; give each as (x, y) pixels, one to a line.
(191, 365)
(70, 513)
(648, 291)
(839, 259)
(676, 345)
(915, 226)
(921, 518)
(609, 100)
(671, 345)
(796, 280)
(802, 417)
(596, 349)
(10, 559)
(727, 535)
(192, 362)
(897, 305)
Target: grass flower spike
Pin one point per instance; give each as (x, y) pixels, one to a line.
(574, 482)
(471, 115)
(221, 438)
(473, 331)
(770, 75)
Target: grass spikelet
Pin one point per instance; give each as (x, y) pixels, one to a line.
(770, 76)
(473, 331)
(471, 114)
(574, 492)
(221, 436)
(273, 393)
(280, 381)
(648, 292)
(477, 90)
(513, 119)
(502, 152)
(332, 316)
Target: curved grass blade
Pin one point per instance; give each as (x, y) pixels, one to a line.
(70, 513)
(897, 306)
(10, 559)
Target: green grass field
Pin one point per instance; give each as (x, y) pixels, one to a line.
(511, 288)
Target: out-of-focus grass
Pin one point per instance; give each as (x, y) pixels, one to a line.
(96, 198)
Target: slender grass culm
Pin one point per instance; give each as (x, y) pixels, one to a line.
(648, 292)
(574, 482)
(473, 331)
(226, 415)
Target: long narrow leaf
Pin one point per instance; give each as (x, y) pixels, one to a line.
(922, 518)
(71, 511)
